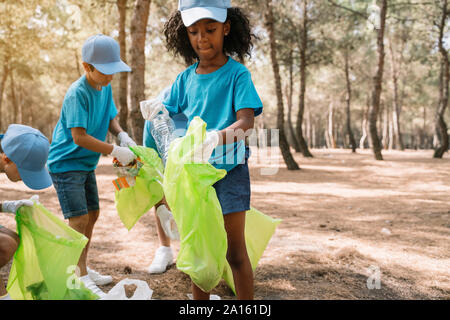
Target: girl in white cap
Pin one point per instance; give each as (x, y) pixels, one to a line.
(219, 89)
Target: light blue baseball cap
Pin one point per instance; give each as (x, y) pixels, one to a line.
(103, 52)
(28, 149)
(194, 10)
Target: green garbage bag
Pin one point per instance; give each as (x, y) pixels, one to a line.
(44, 263)
(133, 202)
(259, 229)
(198, 214)
(196, 209)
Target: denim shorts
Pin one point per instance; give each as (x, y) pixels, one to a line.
(233, 191)
(77, 192)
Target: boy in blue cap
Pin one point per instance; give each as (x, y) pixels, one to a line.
(23, 155)
(87, 113)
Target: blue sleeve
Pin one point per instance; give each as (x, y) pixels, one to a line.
(245, 95)
(112, 106)
(172, 99)
(75, 111)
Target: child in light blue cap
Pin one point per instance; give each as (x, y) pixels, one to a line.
(23, 155)
(209, 35)
(88, 113)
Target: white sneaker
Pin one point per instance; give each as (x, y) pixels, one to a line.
(88, 283)
(163, 258)
(168, 222)
(99, 279)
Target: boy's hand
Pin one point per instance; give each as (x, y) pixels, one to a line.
(13, 206)
(125, 140)
(123, 154)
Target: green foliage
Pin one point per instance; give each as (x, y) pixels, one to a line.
(40, 42)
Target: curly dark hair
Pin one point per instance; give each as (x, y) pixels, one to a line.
(237, 43)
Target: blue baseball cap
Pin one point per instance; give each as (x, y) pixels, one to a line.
(28, 149)
(103, 53)
(194, 10)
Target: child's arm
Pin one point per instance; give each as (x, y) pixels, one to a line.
(84, 140)
(240, 129)
(245, 120)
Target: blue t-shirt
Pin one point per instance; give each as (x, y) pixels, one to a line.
(216, 97)
(84, 107)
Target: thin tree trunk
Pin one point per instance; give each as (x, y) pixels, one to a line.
(308, 128)
(364, 126)
(77, 63)
(377, 86)
(284, 146)
(289, 93)
(138, 33)
(13, 97)
(301, 106)
(391, 132)
(398, 143)
(2, 89)
(440, 125)
(348, 98)
(385, 128)
(330, 131)
(123, 80)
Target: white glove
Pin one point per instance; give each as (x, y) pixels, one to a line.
(150, 108)
(123, 154)
(167, 222)
(13, 206)
(203, 153)
(125, 140)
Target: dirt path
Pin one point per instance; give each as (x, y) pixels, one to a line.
(346, 220)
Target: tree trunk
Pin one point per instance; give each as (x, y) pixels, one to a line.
(284, 146)
(13, 97)
(440, 125)
(301, 105)
(123, 80)
(377, 86)
(2, 89)
(138, 31)
(330, 131)
(392, 139)
(77, 63)
(398, 142)
(385, 127)
(364, 126)
(348, 98)
(289, 93)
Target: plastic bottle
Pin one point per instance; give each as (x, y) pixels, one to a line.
(162, 131)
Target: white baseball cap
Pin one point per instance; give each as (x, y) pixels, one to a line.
(194, 10)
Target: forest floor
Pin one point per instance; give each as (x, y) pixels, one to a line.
(348, 220)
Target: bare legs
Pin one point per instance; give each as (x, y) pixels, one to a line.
(237, 257)
(85, 225)
(9, 241)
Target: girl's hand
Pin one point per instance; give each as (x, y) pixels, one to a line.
(203, 153)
